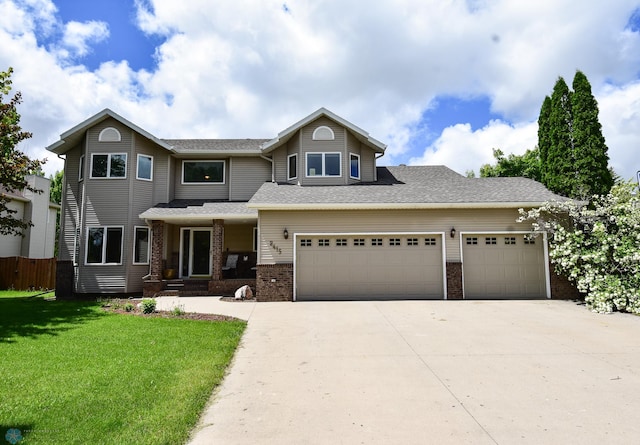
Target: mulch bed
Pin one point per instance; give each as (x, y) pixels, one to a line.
(117, 307)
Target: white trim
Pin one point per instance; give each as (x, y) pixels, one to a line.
(104, 245)
(303, 234)
(108, 155)
(514, 232)
(324, 168)
(133, 250)
(357, 156)
(150, 179)
(224, 172)
(391, 205)
(321, 128)
(289, 177)
(81, 168)
(190, 273)
(104, 130)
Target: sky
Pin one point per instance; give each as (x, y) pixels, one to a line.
(441, 82)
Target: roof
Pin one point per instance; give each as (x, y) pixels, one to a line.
(407, 187)
(207, 146)
(199, 210)
(358, 132)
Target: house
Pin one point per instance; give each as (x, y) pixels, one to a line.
(307, 215)
(38, 241)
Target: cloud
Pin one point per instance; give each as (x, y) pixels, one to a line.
(78, 37)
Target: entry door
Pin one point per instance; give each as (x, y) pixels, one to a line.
(196, 252)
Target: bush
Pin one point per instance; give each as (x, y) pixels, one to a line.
(129, 307)
(148, 306)
(597, 246)
(177, 311)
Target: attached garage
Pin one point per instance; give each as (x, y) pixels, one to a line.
(369, 266)
(509, 265)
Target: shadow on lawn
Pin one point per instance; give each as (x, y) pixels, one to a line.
(33, 317)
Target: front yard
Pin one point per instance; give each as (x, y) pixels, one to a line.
(73, 373)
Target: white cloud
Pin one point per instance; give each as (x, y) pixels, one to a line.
(78, 37)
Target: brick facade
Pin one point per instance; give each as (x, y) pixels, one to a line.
(228, 287)
(64, 280)
(274, 282)
(454, 281)
(157, 244)
(217, 250)
(562, 288)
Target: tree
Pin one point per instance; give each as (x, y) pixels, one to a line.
(544, 141)
(526, 165)
(559, 163)
(590, 151)
(596, 246)
(14, 165)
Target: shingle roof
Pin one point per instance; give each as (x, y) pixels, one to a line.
(407, 187)
(216, 145)
(199, 209)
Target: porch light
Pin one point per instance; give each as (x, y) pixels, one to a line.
(453, 232)
(285, 233)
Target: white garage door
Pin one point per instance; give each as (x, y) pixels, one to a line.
(503, 266)
(364, 267)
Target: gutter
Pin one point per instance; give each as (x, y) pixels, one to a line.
(394, 206)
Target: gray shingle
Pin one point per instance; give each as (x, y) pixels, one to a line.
(216, 145)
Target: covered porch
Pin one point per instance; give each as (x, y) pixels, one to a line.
(201, 248)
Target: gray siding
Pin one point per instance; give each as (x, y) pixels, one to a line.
(309, 145)
(200, 191)
(246, 176)
(71, 199)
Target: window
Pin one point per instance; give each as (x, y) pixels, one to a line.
(323, 133)
(412, 241)
(104, 245)
(529, 239)
(376, 242)
(109, 134)
(324, 243)
(358, 242)
(510, 240)
(354, 166)
(141, 245)
(111, 165)
(490, 240)
(81, 169)
(429, 241)
(292, 167)
(145, 168)
(203, 172)
(324, 164)
(341, 242)
(394, 242)
(305, 243)
(255, 239)
(472, 241)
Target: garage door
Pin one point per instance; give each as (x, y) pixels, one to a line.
(503, 266)
(363, 267)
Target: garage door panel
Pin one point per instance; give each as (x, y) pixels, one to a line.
(379, 269)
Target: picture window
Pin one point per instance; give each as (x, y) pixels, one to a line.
(104, 245)
(109, 165)
(324, 164)
(203, 172)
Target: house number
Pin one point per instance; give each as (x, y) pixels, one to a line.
(275, 247)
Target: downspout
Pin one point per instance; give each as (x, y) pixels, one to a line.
(273, 173)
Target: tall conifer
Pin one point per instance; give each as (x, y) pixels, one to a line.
(559, 164)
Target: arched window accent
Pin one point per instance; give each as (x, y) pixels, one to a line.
(109, 134)
(323, 133)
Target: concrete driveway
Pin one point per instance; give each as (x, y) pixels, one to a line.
(478, 372)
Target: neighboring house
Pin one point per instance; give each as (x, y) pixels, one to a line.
(39, 239)
(305, 215)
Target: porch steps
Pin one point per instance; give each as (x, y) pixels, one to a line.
(185, 288)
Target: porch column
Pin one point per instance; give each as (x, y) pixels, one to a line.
(157, 242)
(216, 249)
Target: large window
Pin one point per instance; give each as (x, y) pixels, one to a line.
(104, 245)
(112, 165)
(292, 167)
(203, 172)
(141, 245)
(324, 164)
(354, 166)
(144, 170)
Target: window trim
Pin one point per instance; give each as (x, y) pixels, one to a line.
(109, 155)
(224, 171)
(357, 156)
(289, 177)
(321, 128)
(101, 136)
(104, 246)
(81, 168)
(324, 154)
(135, 233)
(142, 155)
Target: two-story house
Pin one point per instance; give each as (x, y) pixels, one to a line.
(305, 215)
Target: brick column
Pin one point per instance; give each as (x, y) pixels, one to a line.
(157, 244)
(454, 281)
(216, 249)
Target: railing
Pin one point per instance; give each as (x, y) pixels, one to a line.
(22, 273)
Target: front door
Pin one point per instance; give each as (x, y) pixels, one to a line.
(195, 258)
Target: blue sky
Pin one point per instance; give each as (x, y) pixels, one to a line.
(439, 82)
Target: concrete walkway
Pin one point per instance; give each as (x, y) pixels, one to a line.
(416, 372)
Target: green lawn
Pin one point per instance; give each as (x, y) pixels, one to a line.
(72, 373)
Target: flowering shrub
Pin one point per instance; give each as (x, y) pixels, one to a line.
(596, 246)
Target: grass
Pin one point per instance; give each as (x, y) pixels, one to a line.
(72, 373)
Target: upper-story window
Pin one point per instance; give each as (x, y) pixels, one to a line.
(323, 133)
(109, 165)
(144, 169)
(109, 134)
(354, 166)
(292, 167)
(203, 172)
(324, 164)
(81, 168)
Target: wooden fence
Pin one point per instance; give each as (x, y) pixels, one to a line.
(26, 273)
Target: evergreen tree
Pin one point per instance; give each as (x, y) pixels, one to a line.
(590, 151)
(559, 163)
(544, 141)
